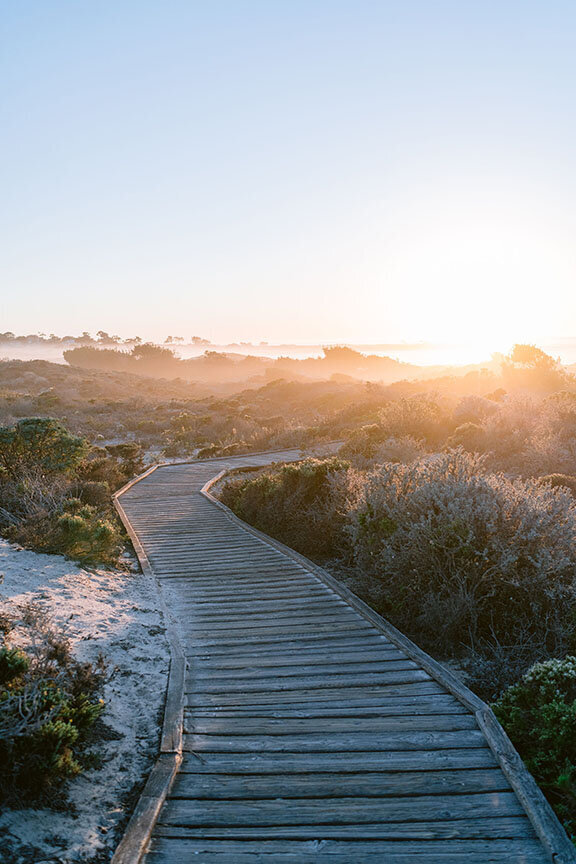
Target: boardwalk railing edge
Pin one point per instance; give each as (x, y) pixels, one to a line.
(134, 841)
(545, 822)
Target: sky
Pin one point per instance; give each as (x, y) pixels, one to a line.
(289, 170)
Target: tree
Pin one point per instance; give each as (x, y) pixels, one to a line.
(149, 351)
(531, 357)
(528, 367)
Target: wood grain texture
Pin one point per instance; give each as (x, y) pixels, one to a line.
(302, 726)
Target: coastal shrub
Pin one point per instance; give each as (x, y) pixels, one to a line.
(363, 443)
(404, 449)
(539, 715)
(55, 494)
(470, 436)
(464, 556)
(40, 443)
(302, 504)
(370, 446)
(418, 419)
(494, 666)
(528, 367)
(473, 409)
(420, 416)
(566, 481)
(113, 465)
(93, 492)
(48, 704)
(78, 530)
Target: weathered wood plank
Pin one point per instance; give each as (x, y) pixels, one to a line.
(168, 850)
(480, 828)
(309, 642)
(302, 633)
(327, 725)
(339, 763)
(258, 623)
(266, 683)
(284, 660)
(345, 696)
(231, 611)
(336, 742)
(335, 785)
(391, 707)
(215, 674)
(342, 811)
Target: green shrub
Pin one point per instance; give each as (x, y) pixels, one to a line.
(363, 442)
(82, 533)
(55, 492)
(416, 420)
(539, 715)
(75, 529)
(13, 663)
(40, 443)
(48, 704)
(93, 492)
(220, 450)
(301, 504)
(113, 465)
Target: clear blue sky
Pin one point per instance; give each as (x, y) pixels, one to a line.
(319, 170)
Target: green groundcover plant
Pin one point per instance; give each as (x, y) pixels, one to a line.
(539, 715)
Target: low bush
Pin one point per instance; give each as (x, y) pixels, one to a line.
(539, 715)
(40, 443)
(465, 556)
(565, 481)
(113, 465)
(220, 450)
(48, 704)
(92, 492)
(302, 504)
(420, 416)
(55, 491)
(39, 513)
(78, 530)
(494, 667)
(370, 445)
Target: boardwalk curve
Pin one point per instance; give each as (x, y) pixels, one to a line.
(299, 725)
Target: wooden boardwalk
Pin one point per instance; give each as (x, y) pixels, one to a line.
(299, 726)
